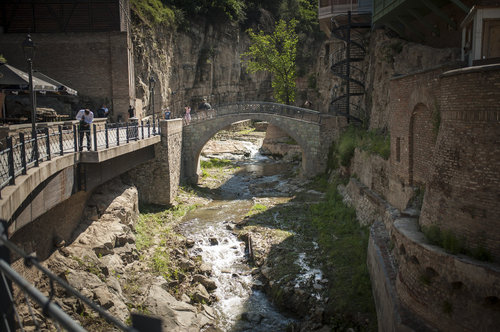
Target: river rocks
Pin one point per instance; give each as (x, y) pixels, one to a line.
(200, 294)
(213, 241)
(207, 282)
(176, 316)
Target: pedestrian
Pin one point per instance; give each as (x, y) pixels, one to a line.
(131, 112)
(167, 113)
(204, 105)
(85, 116)
(187, 114)
(102, 112)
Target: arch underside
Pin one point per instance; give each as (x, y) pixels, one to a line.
(305, 133)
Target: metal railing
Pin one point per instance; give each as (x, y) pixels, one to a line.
(23, 293)
(257, 107)
(22, 152)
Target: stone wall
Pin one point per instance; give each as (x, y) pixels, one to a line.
(371, 170)
(306, 133)
(419, 287)
(463, 190)
(158, 181)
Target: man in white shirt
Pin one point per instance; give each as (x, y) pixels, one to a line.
(85, 116)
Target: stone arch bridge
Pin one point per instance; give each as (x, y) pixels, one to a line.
(312, 130)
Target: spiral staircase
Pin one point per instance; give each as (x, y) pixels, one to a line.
(347, 63)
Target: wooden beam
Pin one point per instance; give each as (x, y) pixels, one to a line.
(396, 29)
(439, 13)
(410, 28)
(461, 5)
(413, 12)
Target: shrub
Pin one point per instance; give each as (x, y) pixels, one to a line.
(371, 141)
(153, 11)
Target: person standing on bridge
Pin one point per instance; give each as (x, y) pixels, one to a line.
(187, 114)
(85, 116)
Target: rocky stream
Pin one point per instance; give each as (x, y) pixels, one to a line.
(234, 254)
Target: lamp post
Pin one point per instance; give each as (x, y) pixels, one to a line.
(152, 83)
(29, 55)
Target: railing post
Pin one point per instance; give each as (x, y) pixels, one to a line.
(149, 129)
(75, 140)
(117, 134)
(10, 158)
(142, 129)
(95, 137)
(127, 133)
(61, 146)
(47, 142)
(24, 168)
(106, 135)
(6, 300)
(35, 147)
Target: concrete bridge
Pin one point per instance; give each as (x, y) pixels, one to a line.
(310, 129)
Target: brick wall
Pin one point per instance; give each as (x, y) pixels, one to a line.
(95, 64)
(463, 191)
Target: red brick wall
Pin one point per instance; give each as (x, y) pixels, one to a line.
(463, 192)
(421, 144)
(411, 101)
(95, 64)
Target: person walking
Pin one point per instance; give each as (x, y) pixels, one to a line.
(85, 116)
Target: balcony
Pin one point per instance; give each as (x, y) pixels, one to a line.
(328, 9)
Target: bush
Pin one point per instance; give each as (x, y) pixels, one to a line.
(153, 11)
(371, 141)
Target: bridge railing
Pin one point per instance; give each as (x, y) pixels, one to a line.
(22, 152)
(257, 107)
(44, 312)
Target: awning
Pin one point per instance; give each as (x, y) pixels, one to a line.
(13, 79)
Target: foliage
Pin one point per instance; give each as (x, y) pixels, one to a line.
(215, 163)
(453, 244)
(366, 140)
(257, 208)
(275, 53)
(232, 10)
(2, 59)
(344, 243)
(154, 11)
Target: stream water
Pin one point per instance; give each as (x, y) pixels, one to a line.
(241, 305)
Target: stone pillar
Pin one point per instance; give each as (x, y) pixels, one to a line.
(158, 180)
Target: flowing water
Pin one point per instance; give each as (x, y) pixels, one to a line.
(241, 305)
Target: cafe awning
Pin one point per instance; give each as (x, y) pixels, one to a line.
(13, 79)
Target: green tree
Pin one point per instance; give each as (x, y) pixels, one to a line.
(275, 53)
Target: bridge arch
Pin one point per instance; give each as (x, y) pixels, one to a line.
(302, 125)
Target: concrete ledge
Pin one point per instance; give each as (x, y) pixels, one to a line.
(113, 152)
(14, 196)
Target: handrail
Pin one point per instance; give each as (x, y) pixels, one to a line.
(256, 107)
(18, 153)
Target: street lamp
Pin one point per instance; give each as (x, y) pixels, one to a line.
(152, 83)
(29, 55)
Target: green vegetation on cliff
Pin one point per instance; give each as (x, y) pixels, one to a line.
(275, 53)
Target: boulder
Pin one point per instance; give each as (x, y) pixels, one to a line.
(200, 294)
(205, 281)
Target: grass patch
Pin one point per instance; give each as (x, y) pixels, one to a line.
(245, 131)
(215, 163)
(257, 208)
(344, 244)
(371, 141)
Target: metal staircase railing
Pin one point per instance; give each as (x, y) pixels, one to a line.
(346, 63)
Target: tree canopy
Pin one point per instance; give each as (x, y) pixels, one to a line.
(275, 53)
